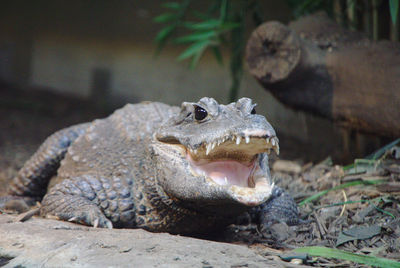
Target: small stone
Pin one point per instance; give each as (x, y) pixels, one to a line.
(18, 245)
(125, 249)
(296, 261)
(286, 166)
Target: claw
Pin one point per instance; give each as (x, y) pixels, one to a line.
(96, 223)
(109, 224)
(72, 219)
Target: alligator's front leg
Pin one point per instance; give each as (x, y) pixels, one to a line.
(77, 200)
(33, 177)
(279, 208)
(31, 181)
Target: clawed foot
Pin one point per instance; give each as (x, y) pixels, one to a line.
(281, 209)
(74, 208)
(93, 219)
(90, 216)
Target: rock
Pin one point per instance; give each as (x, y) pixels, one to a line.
(50, 243)
(286, 166)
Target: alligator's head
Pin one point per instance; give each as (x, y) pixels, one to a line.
(212, 154)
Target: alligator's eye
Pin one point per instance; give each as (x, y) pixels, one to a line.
(200, 113)
(253, 111)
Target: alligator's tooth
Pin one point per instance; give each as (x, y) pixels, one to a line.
(238, 138)
(213, 145)
(208, 148)
(276, 146)
(247, 139)
(273, 142)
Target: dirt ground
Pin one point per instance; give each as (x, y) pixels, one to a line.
(360, 218)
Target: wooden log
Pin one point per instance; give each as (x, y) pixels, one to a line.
(315, 65)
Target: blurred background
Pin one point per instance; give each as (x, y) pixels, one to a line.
(64, 62)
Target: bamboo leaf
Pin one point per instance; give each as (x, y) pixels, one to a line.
(228, 26)
(383, 150)
(172, 5)
(164, 33)
(344, 255)
(193, 49)
(196, 58)
(166, 17)
(204, 25)
(394, 9)
(358, 233)
(201, 15)
(196, 37)
(217, 54)
(341, 186)
(224, 10)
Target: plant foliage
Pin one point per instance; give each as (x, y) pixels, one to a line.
(394, 9)
(344, 255)
(220, 25)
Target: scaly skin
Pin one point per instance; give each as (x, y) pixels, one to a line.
(131, 170)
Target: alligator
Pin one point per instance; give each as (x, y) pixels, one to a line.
(182, 170)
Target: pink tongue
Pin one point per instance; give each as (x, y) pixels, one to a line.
(226, 172)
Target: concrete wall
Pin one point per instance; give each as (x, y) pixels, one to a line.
(78, 47)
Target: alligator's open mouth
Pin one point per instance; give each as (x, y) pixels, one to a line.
(233, 165)
(233, 159)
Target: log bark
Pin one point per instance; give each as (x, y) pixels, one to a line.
(315, 65)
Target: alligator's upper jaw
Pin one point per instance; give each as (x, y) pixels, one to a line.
(233, 163)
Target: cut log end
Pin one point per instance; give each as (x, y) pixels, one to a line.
(272, 52)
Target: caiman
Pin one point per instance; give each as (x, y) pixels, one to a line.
(159, 167)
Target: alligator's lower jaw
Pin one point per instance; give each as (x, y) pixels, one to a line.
(252, 196)
(224, 172)
(244, 181)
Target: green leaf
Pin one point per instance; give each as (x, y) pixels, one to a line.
(166, 17)
(358, 233)
(383, 150)
(198, 36)
(217, 54)
(165, 33)
(172, 5)
(224, 10)
(344, 255)
(228, 26)
(193, 49)
(394, 9)
(201, 15)
(341, 186)
(204, 25)
(196, 58)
